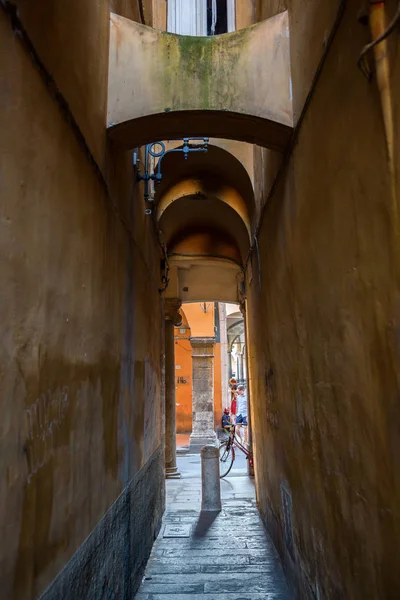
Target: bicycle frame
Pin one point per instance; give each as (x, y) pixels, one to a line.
(234, 441)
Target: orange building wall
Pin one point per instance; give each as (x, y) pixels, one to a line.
(201, 323)
(196, 323)
(183, 376)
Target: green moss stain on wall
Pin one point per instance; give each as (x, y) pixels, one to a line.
(210, 64)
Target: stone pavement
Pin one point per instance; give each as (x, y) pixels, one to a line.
(223, 556)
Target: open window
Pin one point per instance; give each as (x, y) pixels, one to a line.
(201, 17)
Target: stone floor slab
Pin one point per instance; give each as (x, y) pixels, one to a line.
(227, 556)
(177, 530)
(213, 552)
(228, 596)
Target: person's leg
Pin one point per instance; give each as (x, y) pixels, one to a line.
(245, 430)
(239, 428)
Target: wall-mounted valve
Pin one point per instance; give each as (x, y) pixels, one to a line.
(152, 169)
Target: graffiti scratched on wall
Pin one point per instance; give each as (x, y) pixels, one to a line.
(44, 417)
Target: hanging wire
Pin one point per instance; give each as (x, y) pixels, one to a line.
(362, 60)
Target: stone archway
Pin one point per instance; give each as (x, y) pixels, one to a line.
(200, 85)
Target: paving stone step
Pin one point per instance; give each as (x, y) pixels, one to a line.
(227, 556)
(225, 596)
(198, 552)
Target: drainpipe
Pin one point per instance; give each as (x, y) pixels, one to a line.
(377, 23)
(378, 28)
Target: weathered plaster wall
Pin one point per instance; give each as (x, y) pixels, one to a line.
(160, 15)
(137, 10)
(110, 562)
(211, 71)
(324, 358)
(265, 9)
(80, 377)
(245, 13)
(79, 62)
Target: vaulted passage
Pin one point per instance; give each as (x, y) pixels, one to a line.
(191, 193)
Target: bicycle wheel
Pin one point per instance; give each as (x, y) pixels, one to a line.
(226, 458)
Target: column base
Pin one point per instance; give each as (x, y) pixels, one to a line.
(197, 441)
(172, 473)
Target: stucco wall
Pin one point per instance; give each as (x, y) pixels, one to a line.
(77, 60)
(265, 9)
(244, 13)
(201, 325)
(183, 375)
(79, 375)
(325, 327)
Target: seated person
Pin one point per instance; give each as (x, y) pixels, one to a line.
(226, 420)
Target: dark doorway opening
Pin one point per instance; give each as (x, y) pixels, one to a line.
(217, 17)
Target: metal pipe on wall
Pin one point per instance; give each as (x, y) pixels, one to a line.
(380, 46)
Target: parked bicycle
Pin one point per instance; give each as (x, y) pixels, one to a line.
(227, 453)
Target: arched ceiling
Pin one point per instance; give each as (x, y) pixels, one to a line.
(204, 210)
(236, 330)
(198, 242)
(209, 224)
(217, 170)
(185, 322)
(202, 188)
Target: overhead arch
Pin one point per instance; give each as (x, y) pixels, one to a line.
(216, 172)
(219, 124)
(198, 242)
(185, 322)
(217, 162)
(235, 331)
(167, 86)
(208, 217)
(206, 188)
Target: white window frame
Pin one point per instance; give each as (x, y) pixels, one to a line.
(230, 7)
(189, 17)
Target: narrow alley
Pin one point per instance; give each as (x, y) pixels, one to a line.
(216, 556)
(199, 247)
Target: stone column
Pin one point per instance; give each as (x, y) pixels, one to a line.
(240, 367)
(172, 319)
(203, 392)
